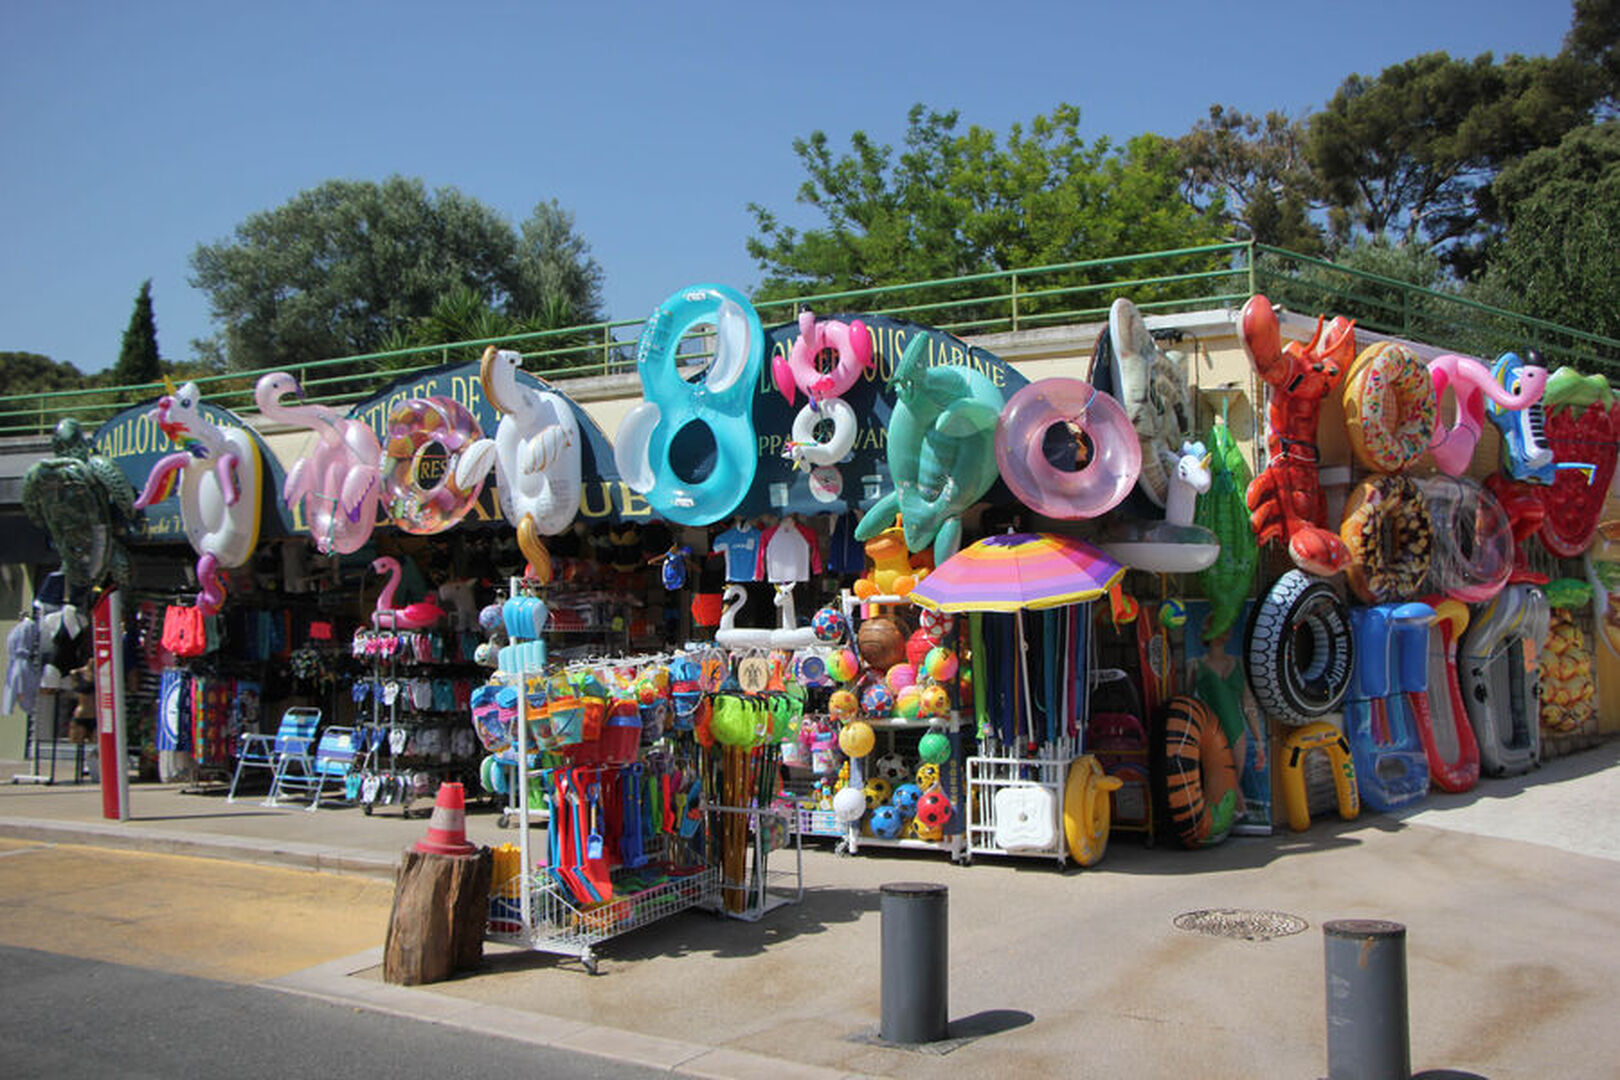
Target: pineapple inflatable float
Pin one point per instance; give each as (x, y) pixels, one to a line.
(1568, 702)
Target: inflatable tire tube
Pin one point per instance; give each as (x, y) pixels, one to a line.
(1200, 775)
(1322, 736)
(1087, 798)
(1300, 651)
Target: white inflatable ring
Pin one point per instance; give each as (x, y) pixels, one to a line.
(807, 448)
(1115, 453)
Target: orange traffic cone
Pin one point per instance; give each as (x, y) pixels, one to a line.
(447, 831)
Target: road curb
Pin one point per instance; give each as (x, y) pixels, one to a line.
(333, 982)
(201, 845)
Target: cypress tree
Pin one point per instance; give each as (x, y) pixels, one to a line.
(138, 359)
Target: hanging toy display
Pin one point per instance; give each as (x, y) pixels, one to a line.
(220, 476)
(1583, 433)
(336, 478)
(1175, 545)
(1229, 580)
(941, 451)
(1471, 383)
(1286, 500)
(1388, 407)
(851, 343)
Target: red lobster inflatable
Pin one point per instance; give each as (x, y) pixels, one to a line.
(1285, 500)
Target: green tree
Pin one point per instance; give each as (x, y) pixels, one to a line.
(23, 373)
(1251, 173)
(138, 357)
(956, 203)
(1560, 258)
(1408, 154)
(334, 270)
(1594, 40)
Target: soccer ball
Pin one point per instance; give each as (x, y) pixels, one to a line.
(886, 822)
(934, 810)
(890, 767)
(927, 775)
(905, 799)
(878, 791)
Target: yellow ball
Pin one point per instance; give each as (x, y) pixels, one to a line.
(856, 739)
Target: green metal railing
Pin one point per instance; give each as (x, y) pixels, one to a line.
(1209, 276)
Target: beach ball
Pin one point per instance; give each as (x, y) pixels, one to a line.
(877, 792)
(843, 665)
(927, 775)
(908, 702)
(849, 804)
(917, 646)
(489, 617)
(876, 700)
(933, 809)
(829, 625)
(940, 664)
(933, 748)
(856, 739)
(886, 822)
(936, 703)
(891, 767)
(900, 676)
(905, 799)
(841, 705)
(1172, 614)
(936, 624)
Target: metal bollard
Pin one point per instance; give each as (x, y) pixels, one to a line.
(915, 962)
(1367, 1035)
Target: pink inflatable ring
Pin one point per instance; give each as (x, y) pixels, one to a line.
(798, 371)
(418, 431)
(1110, 453)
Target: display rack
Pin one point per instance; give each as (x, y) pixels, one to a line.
(954, 842)
(1015, 806)
(765, 889)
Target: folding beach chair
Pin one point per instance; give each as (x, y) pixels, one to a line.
(324, 769)
(295, 735)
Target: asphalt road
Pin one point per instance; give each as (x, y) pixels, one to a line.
(71, 1017)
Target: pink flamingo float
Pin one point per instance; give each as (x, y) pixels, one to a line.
(219, 473)
(337, 478)
(417, 616)
(1471, 382)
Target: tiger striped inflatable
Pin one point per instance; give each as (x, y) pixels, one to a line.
(1200, 777)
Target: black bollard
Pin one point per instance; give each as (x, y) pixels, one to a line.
(915, 962)
(1366, 1000)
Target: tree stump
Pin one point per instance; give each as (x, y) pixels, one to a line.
(441, 907)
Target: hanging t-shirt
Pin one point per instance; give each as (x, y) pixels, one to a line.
(740, 543)
(845, 554)
(789, 552)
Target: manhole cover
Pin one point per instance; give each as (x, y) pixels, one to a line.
(1235, 923)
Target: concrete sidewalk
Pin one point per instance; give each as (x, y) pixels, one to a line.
(1508, 895)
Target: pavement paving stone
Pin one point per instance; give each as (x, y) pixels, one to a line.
(1507, 894)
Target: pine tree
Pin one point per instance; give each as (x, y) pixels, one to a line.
(138, 358)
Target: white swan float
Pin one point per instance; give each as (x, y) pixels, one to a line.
(537, 448)
(787, 635)
(337, 477)
(1175, 545)
(220, 476)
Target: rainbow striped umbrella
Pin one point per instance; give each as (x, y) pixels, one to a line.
(1016, 572)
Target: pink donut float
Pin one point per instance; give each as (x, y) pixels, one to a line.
(1109, 447)
(798, 370)
(425, 440)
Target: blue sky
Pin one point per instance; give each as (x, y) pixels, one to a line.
(133, 132)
